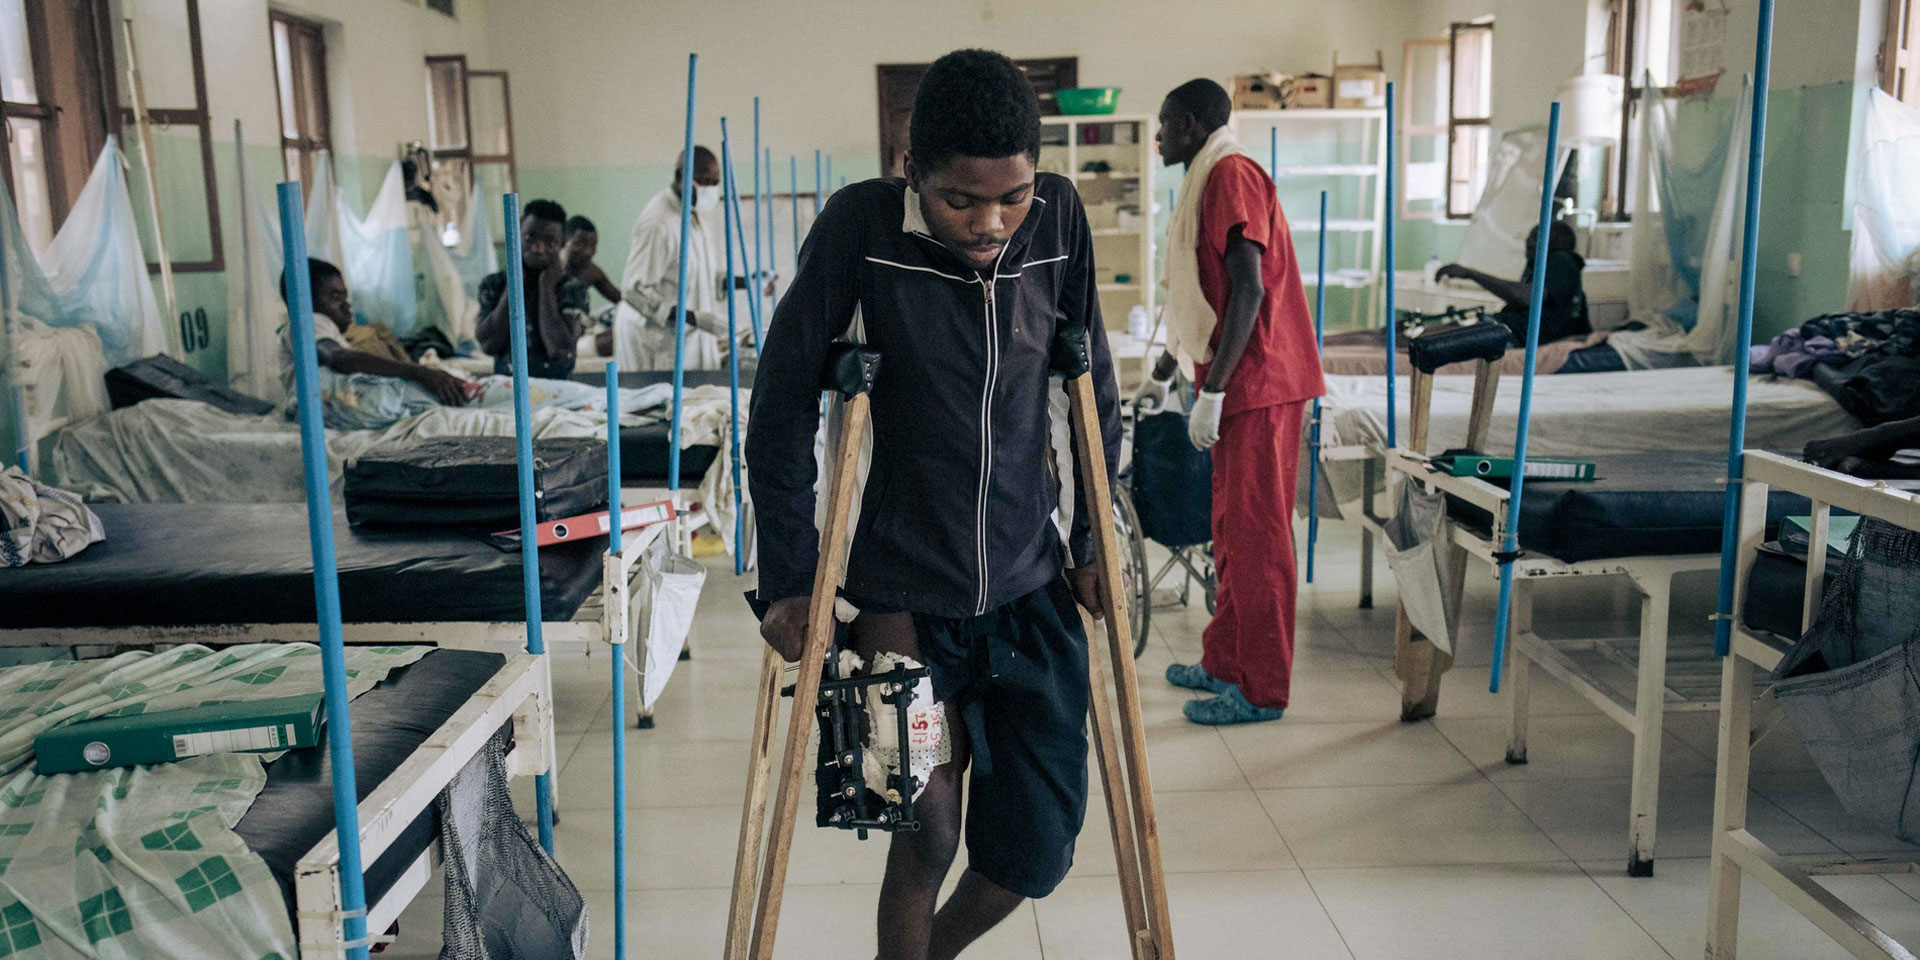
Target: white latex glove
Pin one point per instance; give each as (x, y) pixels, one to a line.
(1203, 421)
(1152, 394)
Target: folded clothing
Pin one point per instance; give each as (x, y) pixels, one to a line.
(41, 524)
(475, 482)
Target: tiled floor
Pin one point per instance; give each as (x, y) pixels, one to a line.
(1337, 832)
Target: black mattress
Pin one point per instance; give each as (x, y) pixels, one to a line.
(294, 810)
(643, 449)
(188, 564)
(1644, 504)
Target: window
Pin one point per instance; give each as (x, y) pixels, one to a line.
(1639, 48)
(1899, 57)
(300, 71)
(54, 98)
(1469, 114)
(1423, 127)
(178, 133)
(490, 114)
(449, 137)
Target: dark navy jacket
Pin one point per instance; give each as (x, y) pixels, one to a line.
(956, 515)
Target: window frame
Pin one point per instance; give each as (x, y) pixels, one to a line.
(1899, 65)
(509, 159)
(1455, 122)
(60, 192)
(196, 116)
(308, 145)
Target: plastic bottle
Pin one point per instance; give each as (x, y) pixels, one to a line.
(1137, 323)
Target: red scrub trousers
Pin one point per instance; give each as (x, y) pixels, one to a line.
(1255, 465)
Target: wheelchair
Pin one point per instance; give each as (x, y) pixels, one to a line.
(1165, 497)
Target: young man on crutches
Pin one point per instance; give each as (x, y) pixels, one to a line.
(958, 276)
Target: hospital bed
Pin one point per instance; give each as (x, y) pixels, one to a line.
(1595, 414)
(1771, 607)
(412, 733)
(1648, 519)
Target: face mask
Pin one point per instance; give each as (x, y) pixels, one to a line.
(706, 198)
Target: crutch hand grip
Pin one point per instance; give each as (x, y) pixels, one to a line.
(850, 369)
(1070, 356)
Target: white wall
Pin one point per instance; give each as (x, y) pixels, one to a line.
(376, 74)
(609, 75)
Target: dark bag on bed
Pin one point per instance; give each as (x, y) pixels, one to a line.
(475, 482)
(162, 377)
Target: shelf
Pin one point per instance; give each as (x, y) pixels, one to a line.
(1117, 287)
(1091, 175)
(1308, 113)
(1335, 226)
(1330, 170)
(1116, 232)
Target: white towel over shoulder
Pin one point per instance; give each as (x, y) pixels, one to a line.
(1190, 319)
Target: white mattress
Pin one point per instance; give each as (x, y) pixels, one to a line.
(1582, 415)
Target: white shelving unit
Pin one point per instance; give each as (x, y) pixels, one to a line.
(1111, 160)
(1344, 153)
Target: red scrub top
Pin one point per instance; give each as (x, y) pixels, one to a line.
(1282, 362)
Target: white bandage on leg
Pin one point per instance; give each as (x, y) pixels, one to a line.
(928, 745)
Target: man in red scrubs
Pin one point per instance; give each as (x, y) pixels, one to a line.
(1238, 310)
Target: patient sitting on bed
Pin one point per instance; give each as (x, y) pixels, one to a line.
(1870, 454)
(333, 315)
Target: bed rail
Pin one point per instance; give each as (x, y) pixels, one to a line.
(1737, 852)
(517, 692)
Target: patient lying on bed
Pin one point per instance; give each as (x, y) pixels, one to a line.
(333, 315)
(1870, 454)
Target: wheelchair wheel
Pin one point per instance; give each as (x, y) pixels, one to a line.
(1133, 562)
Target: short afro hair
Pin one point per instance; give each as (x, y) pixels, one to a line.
(577, 224)
(973, 103)
(545, 211)
(1203, 100)
(317, 270)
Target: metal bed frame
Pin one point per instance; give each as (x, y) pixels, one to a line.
(1753, 655)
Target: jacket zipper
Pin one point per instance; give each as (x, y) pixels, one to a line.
(989, 288)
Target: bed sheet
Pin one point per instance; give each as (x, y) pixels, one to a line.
(144, 861)
(1585, 415)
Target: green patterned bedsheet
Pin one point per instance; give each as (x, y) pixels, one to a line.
(142, 863)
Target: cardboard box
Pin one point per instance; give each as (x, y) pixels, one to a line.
(241, 726)
(1260, 91)
(1359, 88)
(1311, 91)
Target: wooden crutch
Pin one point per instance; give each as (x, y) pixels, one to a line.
(1128, 786)
(1417, 661)
(850, 371)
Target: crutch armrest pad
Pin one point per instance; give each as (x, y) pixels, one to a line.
(1070, 357)
(850, 369)
(1440, 345)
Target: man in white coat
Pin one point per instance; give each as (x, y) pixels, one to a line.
(643, 325)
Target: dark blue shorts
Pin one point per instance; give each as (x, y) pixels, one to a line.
(1017, 677)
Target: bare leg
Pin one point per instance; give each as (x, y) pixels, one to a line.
(977, 905)
(917, 862)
